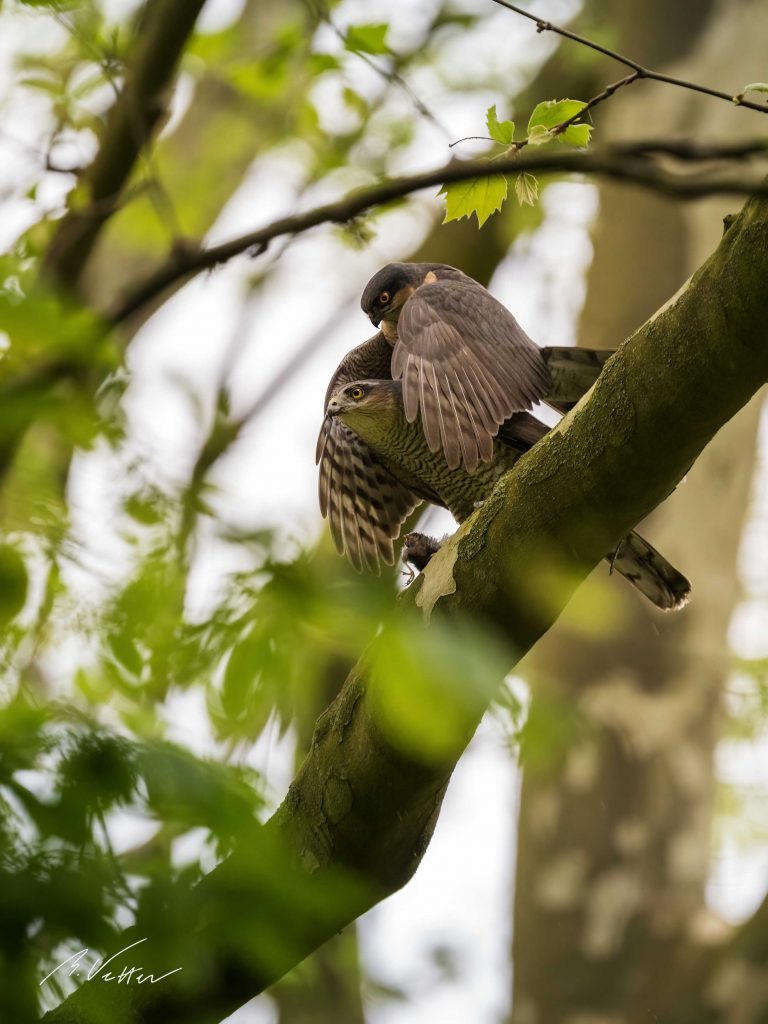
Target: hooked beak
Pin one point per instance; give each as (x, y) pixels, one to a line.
(334, 407)
(374, 319)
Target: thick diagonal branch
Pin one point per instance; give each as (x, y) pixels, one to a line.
(359, 808)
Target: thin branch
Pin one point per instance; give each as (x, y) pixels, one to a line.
(627, 162)
(641, 71)
(392, 76)
(308, 348)
(224, 434)
(607, 92)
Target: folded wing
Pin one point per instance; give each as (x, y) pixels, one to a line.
(466, 366)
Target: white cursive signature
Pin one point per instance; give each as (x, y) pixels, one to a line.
(75, 962)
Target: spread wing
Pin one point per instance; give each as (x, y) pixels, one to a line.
(365, 504)
(467, 365)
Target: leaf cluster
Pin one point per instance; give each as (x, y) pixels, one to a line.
(551, 121)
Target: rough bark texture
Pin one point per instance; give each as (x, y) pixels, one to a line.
(359, 806)
(614, 830)
(326, 987)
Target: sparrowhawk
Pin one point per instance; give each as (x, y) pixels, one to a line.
(465, 362)
(393, 468)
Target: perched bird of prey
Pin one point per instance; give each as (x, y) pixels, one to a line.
(393, 468)
(465, 362)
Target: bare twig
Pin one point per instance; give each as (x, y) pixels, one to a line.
(293, 365)
(225, 431)
(395, 78)
(627, 162)
(641, 72)
(390, 75)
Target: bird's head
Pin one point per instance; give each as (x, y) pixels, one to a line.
(389, 288)
(366, 400)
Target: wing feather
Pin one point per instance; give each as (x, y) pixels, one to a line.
(364, 503)
(411, 389)
(459, 442)
(429, 402)
(483, 448)
(476, 401)
(452, 333)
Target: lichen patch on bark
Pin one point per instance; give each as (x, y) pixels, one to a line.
(438, 580)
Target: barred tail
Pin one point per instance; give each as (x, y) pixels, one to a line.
(650, 572)
(573, 371)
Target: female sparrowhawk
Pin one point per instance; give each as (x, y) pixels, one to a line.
(394, 468)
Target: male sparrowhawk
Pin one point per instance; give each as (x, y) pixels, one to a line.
(465, 362)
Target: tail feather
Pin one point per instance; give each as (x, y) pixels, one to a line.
(647, 570)
(573, 371)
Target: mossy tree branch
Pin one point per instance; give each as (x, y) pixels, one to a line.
(363, 809)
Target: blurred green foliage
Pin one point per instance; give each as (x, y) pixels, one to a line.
(111, 811)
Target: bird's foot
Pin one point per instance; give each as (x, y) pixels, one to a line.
(418, 548)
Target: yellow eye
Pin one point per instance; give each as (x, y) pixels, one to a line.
(356, 393)
(384, 298)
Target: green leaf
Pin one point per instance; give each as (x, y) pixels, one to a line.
(126, 653)
(367, 38)
(41, 83)
(322, 62)
(196, 792)
(576, 135)
(455, 666)
(551, 113)
(755, 87)
(526, 188)
(500, 131)
(538, 135)
(481, 196)
(355, 101)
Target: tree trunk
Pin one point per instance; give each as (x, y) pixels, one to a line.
(614, 832)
